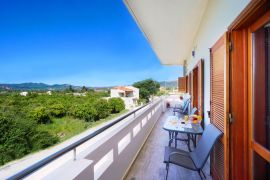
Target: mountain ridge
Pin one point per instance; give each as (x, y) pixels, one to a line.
(28, 86)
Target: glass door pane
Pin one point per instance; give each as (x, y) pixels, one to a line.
(261, 88)
(261, 168)
(261, 99)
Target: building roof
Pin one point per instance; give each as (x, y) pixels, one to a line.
(122, 88)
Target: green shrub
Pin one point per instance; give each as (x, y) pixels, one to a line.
(32, 95)
(92, 111)
(57, 110)
(85, 111)
(13, 140)
(40, 115)
(103, 109)
(116, 105)
(42, 140)
(20, 137)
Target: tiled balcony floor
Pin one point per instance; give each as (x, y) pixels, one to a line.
(149, 163)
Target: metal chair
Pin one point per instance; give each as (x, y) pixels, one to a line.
(184, 110)
(196, 159)
(181, 106)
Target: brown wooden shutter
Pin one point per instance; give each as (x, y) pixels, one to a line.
(182, 84)
(219, 106)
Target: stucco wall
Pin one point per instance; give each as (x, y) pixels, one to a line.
(218, 16)
(115, 93)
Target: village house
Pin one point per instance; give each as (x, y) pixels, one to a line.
(129, 94)
(24, 93)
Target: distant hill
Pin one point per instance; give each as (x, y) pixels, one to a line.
(35, 86)
(168, 84)
(59, 87)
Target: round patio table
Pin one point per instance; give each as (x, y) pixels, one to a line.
(175, 125)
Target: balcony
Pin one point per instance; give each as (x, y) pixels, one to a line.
(228, 84)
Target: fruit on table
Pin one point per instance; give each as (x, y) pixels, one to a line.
(195, 118)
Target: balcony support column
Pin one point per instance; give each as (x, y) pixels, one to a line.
(74, 154)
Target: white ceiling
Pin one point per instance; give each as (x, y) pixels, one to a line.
(170, 26)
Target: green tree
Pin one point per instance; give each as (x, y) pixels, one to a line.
(84, 89)
(116, 105)
(70, 89)
(57, 110)
(20, 137)
(103, 108)
(40, 115)
(147, 88)
(85, 111)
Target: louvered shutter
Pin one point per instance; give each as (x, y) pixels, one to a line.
(182, 84)
(219, 107)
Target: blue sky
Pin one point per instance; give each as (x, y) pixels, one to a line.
(79, 42)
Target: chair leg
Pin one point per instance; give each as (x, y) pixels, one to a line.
(203, 174)
(167, 170)
(175, 139)
(200, 174)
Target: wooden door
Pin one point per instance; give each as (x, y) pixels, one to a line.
(195, 87)
(219, 65)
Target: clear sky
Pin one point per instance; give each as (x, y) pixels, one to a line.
(79, 42)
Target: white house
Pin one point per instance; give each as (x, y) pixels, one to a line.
(79, 94)
(129, 94)
(24, 93)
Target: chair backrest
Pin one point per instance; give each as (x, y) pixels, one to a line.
(205, 145)
(193, 111)
(185, 108)
(186, 96)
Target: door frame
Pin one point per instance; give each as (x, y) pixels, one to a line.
(241, 45)
(200, 107)
(254, 146)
